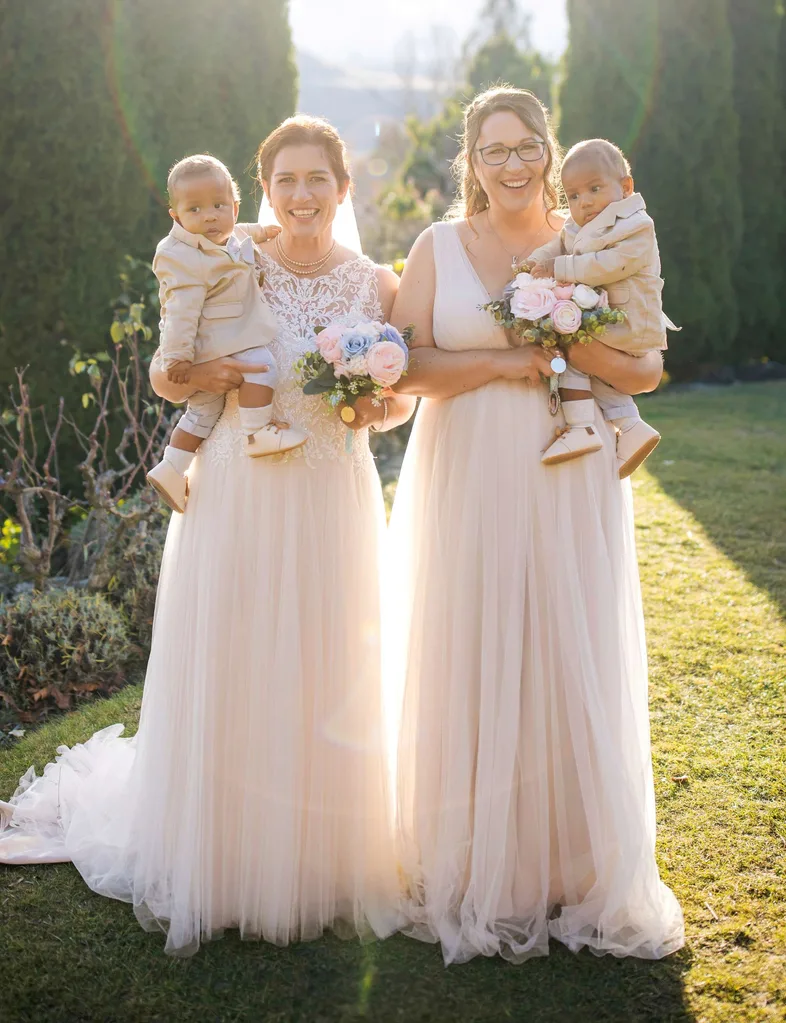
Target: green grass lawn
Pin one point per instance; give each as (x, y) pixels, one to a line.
(711, 513)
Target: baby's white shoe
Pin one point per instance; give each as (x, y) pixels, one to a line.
(171, 485)
(274, 439)
(634, 445)
(579, 439)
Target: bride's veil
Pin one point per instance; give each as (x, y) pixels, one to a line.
(345, 225)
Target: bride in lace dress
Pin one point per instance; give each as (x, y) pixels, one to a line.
(255, 794)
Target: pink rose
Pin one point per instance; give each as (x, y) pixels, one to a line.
(564, 292)
(566, 317)
(533, 301)
(386, 362)
(603, 299)
(329, 343)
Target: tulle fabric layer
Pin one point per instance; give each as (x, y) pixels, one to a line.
(525, 795)
(256, 793)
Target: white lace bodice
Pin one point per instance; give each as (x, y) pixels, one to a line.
(347, 294)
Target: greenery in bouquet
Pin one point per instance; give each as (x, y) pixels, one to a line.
(544, 311)
(352, 362)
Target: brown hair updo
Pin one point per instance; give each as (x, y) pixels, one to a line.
(471, 198)
(303, 130)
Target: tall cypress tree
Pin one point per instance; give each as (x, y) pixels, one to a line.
(657, 78)
(778, 343)
(609, 71)
(755, 28)
(500, 59)
(97, 99)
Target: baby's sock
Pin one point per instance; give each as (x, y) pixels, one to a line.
(253, 419)
(179, 458)
(625, 423)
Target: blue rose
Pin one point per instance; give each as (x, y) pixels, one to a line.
(355, 344)
(389, 333)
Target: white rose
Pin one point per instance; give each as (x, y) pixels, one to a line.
(585, 296)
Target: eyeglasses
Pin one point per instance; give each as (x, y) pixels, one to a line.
(496, 154)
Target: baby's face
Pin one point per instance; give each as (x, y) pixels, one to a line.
(590, 188)
(205, 205)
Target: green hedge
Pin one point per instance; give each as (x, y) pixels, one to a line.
(58, 648)
(691, 93)
(97, 100)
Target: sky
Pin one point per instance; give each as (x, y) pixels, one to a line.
(370, 30)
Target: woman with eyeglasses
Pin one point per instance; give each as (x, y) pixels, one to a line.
(525, 795)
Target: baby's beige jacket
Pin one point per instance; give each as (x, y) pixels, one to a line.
(617, 251)
(211, 303)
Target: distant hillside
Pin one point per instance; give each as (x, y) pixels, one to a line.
(358, 101)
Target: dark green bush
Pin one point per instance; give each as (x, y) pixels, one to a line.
(98, 100)
(134, 582)
(58, 648)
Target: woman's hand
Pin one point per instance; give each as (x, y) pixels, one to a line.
(366, 413)
(528, 363)
(217, 377)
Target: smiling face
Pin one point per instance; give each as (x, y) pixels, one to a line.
(304, 191)
(590, 187)
(203, 204)
(517, 183)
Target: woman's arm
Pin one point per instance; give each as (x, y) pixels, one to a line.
(434, 373)
(629, 374)
(217, 376)
(399, 406)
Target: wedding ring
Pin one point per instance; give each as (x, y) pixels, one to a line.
(558, 364)
(348, 414)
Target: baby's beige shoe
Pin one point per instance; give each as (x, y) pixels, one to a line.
(275, 439)
(171, 485)
(634, 445)
(580, 438)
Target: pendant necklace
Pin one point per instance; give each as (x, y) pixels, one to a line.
(515, 261)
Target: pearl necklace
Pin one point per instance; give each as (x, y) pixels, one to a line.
(302, 269)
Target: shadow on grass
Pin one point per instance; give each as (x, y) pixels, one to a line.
(723, 458)
(71, 955)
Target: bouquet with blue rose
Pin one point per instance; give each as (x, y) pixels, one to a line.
(352, 362)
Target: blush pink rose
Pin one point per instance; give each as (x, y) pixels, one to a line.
(385, 363)
(329, 343)
(603, 299)
(564, 292)
(566, 317)
(533, 301)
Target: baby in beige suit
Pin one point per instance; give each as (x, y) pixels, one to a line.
(212, 306)
(607, 242)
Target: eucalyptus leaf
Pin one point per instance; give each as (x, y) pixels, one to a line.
(318, 386)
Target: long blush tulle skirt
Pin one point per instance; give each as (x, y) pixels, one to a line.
(256, 794)
(515, 634)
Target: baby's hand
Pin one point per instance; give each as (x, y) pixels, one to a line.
(179, 373)
(270, 231)
(544, 268)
